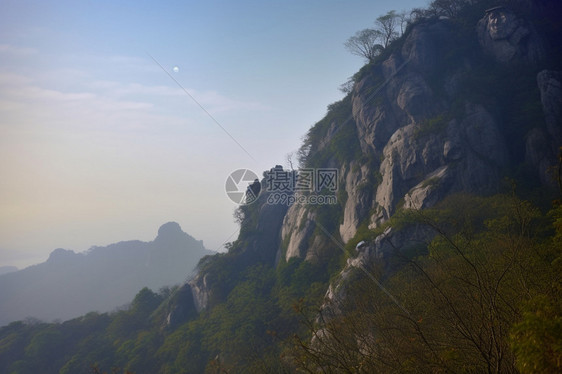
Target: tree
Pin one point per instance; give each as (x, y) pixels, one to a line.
(347, 87)
(457, 305)
(290, 157)
(404, 19)
(365, 43)
(537, 337)
(369, 43)
(447, 8)
(387, 26)
(417, 14)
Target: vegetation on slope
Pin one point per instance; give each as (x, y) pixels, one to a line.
(485, 296)
(482, 296)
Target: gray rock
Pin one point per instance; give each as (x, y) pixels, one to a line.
(414, 167)
(415, 97)
(298, 226)
(509, 38)
(425, 44)
(374, 118)
(359, 199)
(317, 250)
(542, 145)
(550, 86)
(391, 244)
(539, 155)
(429, 191)
(181, 307)
(200, 291)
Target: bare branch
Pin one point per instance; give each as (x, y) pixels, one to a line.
(365, 43)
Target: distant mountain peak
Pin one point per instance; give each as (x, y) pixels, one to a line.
(62, 254)
(69, 283)
(170, 228)
(171, 232)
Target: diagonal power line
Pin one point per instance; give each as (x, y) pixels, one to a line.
(227, 239)
(200, 106)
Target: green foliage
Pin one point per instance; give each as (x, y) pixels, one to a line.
(343, 142)
(490, 271)
(245, 333)
(363, 233)
(125, 324)
(145, 302)
(297, 279)
(537, 339)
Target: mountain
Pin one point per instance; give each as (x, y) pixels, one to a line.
(470, 104)
(425, 234)
(70, 284)
(452, 107)
(7, 269)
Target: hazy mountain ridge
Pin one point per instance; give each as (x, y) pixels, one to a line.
(69, 284)
(7, 269)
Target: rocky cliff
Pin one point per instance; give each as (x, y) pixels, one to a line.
(450, 107)
(425, 131)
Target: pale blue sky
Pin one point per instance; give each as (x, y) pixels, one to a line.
(98, 144)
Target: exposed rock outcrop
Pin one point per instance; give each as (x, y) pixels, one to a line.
(200, 290)
(298, 227)
(181, 307)
(358, 185)
(258, 243)
(424, 162)
(420, 141)
(542, 146)
(379, 253)
(433, 140)
(509, 38)
(415, 128)
(550, 86)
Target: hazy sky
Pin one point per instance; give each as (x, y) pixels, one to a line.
(98, 144)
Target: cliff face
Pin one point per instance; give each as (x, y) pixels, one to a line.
(450, 108)
(510, 38)
(424, 134)
(258, 243)
(543, 143)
